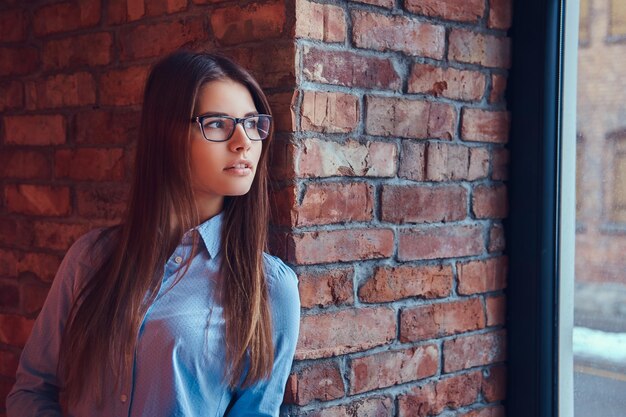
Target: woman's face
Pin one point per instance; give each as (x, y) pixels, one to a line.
(221, 169)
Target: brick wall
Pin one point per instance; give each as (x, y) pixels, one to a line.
(388, 173)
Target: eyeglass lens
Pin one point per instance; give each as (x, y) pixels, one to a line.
(220, 128)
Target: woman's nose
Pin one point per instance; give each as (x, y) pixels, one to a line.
(239, 141)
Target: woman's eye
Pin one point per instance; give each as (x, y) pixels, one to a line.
(251, 123)
(214, 124)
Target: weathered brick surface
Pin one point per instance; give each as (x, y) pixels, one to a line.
(392, 367)
(409, 118)
(397, 33)
(482, 276)
(307, 248)
(318, 158)
(349, 69)
(475, 350)
(480, 49)
(440, 242)
(317, 382)
(421, 204)
(330, 334)
(390, 284)
(446, 82)
(35, 130)
(329, 112)
(441, 319)
(460, 10)
(432, 398)
(326, 287)
(324, 22)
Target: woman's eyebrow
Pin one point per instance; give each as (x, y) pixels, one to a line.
(210, 113)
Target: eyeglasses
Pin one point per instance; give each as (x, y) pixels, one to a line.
(221, 128)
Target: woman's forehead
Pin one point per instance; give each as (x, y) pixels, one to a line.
(225, 96)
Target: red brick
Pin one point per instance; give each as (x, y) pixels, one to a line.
(500, 169)
(485, 126)
(478, 163)
(121, 11)
(496, 238)
(148, 41)
(283, 105)
(446, 82)
(16, 232)
(8, 263)
(437, 161)
(349, 69)
(14, 330)
(41, 266)
(8, 363)
(308, 248)
(62, 90)
(498, 88)
(482, 276)
(475, 350)
(423, 204)
(367, 407)
(160, 7)
(102, 202)
(11, 95)
(390, 116)
(448, 241)
(389, 368)
(493, 411)
(345, 331)
(91, 50)
(490, 201)
(396, 283)
(21, 164)
(397, 33)
(320, 381)
(324, 22)
(123, 87)
(35, 129)
(66, 16)
(326, 287)
(89, 164)
(57, 236)
(18, 60)
(33, 297)
(9, 293)
(477, 48)
(459, 10)
(251, 23)
(318, 158)
(98, 127)
(329, 112)
(500, 14)
(382, 3)
(13, 24)
(494, 384)
(39, 200)
(496, 310)
(325, 203)
(441, 319)
(431, 399)
(272, 66)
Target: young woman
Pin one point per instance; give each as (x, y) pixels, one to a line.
(177, 311)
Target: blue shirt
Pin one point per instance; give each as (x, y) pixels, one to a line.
(178, 368)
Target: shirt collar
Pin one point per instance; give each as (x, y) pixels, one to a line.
(211, 233)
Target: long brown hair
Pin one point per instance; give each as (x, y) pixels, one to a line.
(108, 311)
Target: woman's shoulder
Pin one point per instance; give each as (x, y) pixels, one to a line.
(277, 271)
(89, 248)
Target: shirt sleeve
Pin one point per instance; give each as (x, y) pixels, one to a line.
(36, 390)
(265, 397)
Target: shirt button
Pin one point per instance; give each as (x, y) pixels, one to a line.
(178, 259)
(123, 398)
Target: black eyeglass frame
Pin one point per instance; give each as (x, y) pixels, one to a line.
(237, 120)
